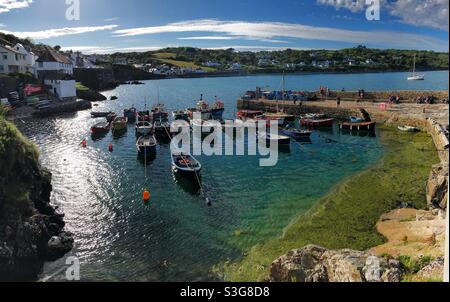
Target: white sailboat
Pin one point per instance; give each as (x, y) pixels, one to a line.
(415, 76)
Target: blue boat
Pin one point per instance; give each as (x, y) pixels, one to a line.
(130, 114)
(355, 119)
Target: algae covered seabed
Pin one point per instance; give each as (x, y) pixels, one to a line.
(346, 217)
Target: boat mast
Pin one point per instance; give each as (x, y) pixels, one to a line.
(414, 66)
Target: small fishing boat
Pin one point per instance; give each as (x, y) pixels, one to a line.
(130, 114)
(159, 112)
(217, 110)
(111, 117)
(177, 125)
(281, 139)
(144, 116)
(408, 129)
(355, 119)
(180, 115)
(146, 144)
(100, 128)
(161, 127)
(268, 119)
(281, 115)
(143, 128)
(363, 126)
(317, 123)
(100, 114)
(186, 164)
(297, 133)
(248, 114)
(120, 124)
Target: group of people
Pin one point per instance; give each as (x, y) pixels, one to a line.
(425, 100)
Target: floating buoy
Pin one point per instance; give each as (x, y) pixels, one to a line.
(84, 143)
(111, 148)
(146, 196)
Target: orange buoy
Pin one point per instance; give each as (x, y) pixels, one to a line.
(146, 196)
(111, 148)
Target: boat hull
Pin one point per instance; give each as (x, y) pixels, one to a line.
(297, 135)
(324, 123)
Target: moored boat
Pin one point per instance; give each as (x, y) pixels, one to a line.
(111, 117)
(185, 164)
(100, 128)
(281, 115)
(363, 126)
(180, 115)
(100, 114)
(408, 129)
(317, 123)
(144, 116)
(146, 144)
(120, 124)
(143, 128)
(248, 114)
(159, 112)
(161, 127)
(355, 119)
(130, 114)
(280, 139)
(296, 133)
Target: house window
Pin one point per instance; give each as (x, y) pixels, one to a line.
(17, 57)
(2, 68)
(41, 64)
(5, 57)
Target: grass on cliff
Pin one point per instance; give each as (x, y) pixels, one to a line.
(18, 162)
(169, 58)
(347, 216)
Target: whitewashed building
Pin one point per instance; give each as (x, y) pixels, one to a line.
(16, 59)
(56, 72)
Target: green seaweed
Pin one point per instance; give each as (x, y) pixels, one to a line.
(347, 216)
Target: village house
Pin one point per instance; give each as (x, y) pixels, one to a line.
(55, 70)
(211, 64)
(16, 59)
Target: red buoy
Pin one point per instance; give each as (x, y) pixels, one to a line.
(84, 143)
(111, 148)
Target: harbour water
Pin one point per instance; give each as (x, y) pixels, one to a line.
(177, 237)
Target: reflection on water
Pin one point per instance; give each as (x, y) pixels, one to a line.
(177, 237)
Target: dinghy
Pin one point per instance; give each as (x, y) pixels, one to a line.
(146, 144)
(185, 164)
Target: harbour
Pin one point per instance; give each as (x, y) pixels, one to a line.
(177, 234)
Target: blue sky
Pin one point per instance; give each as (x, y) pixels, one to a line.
(139, 25)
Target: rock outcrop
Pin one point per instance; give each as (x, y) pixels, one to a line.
(31, 230)
(90, 95)
(437, 187)
(316, 264)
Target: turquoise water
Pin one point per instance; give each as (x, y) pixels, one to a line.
(178, 237)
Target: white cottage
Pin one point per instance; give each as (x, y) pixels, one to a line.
(16, 59)
(56, 71)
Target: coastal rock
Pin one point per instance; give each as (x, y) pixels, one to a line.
(27, 220)
(90, 95)
(59, 245)
(432, 272)
(301, 265)
(437, 187)
(316, 264)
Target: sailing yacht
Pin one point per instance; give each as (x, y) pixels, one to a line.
(415, 76)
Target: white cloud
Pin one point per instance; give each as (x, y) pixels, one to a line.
(352, 5)
(429, 13)
(270, 30)
(109, 49)
(231, 38)
(59, 32)
(8, 5)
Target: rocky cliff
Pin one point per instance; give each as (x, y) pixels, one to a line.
(316, 264)
(31, 230)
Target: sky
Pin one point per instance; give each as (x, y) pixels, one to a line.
(106, 26)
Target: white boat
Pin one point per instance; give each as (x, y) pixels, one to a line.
(143, 128)
(146, 144)
(408, 129)
(281, 139)
(415, 76)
